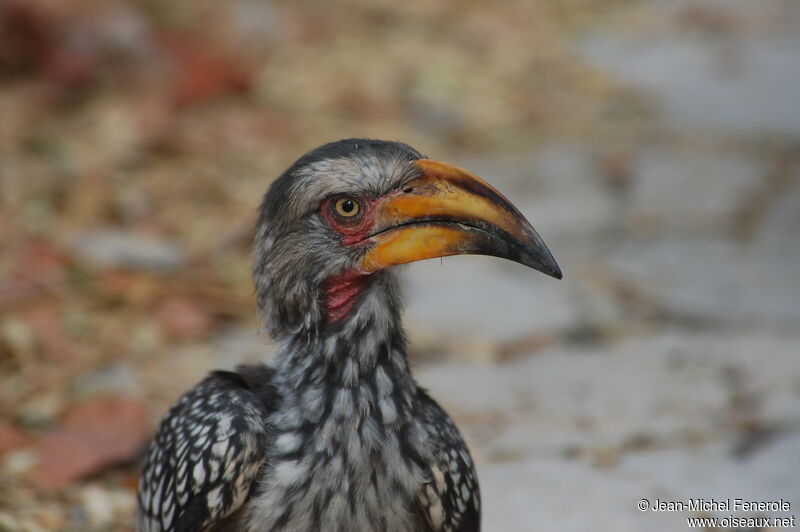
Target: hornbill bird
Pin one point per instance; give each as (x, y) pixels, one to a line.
(337, 435)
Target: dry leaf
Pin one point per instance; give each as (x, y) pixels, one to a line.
(93, 435)
(203, 72)
(182, 317)
(11, 437)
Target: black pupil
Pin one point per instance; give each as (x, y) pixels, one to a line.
(348, 206)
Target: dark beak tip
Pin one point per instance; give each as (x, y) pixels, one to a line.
(544, 261)
(549, 268)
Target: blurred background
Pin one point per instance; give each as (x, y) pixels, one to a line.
(654, 144)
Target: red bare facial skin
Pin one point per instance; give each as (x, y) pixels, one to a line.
(341, 293)
(342, 290)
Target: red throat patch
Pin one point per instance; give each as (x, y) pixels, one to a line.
(341, 293)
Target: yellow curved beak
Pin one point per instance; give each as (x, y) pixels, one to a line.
(449, 211)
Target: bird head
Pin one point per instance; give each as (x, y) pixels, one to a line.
(333, 224)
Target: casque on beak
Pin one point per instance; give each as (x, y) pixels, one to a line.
(449, 211)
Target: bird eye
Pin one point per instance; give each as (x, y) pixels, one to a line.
(347, 207)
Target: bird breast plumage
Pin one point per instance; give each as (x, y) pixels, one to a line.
(354, 439)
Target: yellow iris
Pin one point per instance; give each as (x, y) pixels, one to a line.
(347, 207)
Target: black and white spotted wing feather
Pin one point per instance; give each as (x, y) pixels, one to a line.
(451, 500)
(207, 452)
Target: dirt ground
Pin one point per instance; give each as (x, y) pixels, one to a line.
(655, 146)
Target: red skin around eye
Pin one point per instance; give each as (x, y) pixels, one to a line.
(353, 230)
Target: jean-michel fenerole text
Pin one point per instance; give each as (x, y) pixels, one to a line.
(720, 505)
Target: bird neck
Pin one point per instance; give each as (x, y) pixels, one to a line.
(354, 366)
(349, 418)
